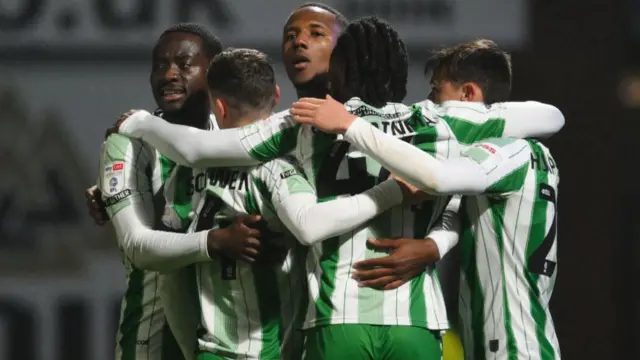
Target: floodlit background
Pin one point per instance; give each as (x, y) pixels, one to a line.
(70, 67)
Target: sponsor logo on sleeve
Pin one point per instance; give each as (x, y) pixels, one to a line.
(288, 173)
(489, 148)
(117, 197)
(113, 178)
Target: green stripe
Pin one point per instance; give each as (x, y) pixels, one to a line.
(277, 145)
(225, 328)
(469, 267)
(417, 300)
(267, 291)
(182, 177)
(536, 236)
(166, 166)
(182, 199)
(511, 182)
(468, 132)
(132, 314)
(498, 209)
(265, 194)
(328, 262)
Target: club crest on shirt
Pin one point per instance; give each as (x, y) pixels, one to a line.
(113, 177)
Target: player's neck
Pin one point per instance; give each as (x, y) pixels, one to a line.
(250, 118)
(316, 87)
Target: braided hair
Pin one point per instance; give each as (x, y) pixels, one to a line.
(369, 61)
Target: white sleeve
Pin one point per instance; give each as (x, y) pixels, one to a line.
(188, 146)
(531, 119)
(482, 166)
(156, 250)
(259, 142)
(457, 176)
(311, 222)
(528, 119)
(446, 232)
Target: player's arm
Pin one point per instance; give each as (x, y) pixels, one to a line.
(478, 171)
(409, 257)
(446, 231)
(188, 146)
(310, 222)
(128, 200)
(472, 121)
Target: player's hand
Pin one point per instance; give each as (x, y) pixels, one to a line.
(407, 259)
(239, 241)
(411, 194)
(326, 114)
(95, 206)
(115, 129)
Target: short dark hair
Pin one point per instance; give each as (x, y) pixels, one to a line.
(341, 19)
(244, 78)
(481, 62)
(375, 62)
(212, 45)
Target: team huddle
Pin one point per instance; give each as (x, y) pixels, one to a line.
(316, 232)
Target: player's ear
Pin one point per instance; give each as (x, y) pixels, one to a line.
(219, 109)
(276, 98)
(471, 92)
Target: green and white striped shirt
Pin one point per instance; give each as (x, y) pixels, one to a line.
(337, 169)
(509, 253)
(253, 311)
(133, 173)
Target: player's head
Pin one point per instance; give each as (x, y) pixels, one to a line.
(308, 37)
(475, 71)
(242, 87)
(369, 61)
(179, 66)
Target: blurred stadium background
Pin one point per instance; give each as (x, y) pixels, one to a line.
(70, 67)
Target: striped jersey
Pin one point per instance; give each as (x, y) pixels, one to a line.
(133, 173)
(253, 311)
(509, 253)
(336, 169)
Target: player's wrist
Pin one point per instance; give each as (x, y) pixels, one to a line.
(430, 251)
(443, 240)
(353, 126)
(214, 239)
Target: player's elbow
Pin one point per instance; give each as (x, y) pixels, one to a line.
(188, 158)
(556, 122)
(141, 258)
(306, 237)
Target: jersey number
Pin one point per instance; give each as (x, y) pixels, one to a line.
(359, 180)
(538, 262)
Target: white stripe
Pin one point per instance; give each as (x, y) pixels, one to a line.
(490, 273)
(517, 226)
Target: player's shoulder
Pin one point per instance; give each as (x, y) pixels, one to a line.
(390, 110)
(500, 151)
(278, 169)
(123, 148)
(473, 112)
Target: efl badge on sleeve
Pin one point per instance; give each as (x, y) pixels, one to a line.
(113, 178)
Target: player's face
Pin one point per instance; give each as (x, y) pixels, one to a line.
(178, 70)
(308, 39)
